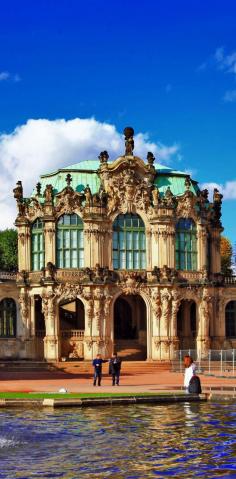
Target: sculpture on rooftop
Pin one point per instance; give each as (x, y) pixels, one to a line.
(129, 141)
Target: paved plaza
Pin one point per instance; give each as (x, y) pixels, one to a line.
(52, 381)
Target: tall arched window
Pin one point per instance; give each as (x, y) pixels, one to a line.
(7, 318)
(37, 245)
(230, 320)
(70, 242)
(186, 245)
(129, 242)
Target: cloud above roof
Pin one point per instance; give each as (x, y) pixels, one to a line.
(41, 146)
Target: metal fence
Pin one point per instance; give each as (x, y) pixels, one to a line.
(215, 362)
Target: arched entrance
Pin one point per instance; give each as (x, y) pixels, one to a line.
(187, 325)
(130, 327)
(72, 324)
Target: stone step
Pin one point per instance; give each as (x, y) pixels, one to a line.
(77, 367)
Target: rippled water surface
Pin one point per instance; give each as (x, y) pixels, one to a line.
(135, 442)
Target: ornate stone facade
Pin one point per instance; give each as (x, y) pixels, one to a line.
(166, 306)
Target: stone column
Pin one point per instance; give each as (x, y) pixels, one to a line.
(163, 246)
(215, 251)
(51, 340)
(203, 337)
(201, 246)
(24, 247)
(164, 324)
(24, 333)
(89, 314)
(173, 323)
(50, 242)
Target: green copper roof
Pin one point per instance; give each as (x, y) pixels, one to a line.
(175, 181)
(85, 173)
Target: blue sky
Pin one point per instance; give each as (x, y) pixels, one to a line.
(168, 68)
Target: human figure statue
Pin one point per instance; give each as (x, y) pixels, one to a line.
(129, 141)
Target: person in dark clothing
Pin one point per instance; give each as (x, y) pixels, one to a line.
(114, 369)
(97, 364)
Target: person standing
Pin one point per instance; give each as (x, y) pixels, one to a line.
(190, 370)
(114, 369)
(97, 364)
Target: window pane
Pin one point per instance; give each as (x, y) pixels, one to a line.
(67, 239)
(67, 258)
(73, 238)
(128, 240)
(129, 260)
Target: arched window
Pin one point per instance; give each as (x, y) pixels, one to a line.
(70, 242)
(7, 318)
(230, 320)
(37, 245)
(186, 245)
(129, 242)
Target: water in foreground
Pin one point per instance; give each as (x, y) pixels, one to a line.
(189, 440)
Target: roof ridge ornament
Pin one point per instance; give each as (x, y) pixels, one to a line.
(129, 140)
(68, 179)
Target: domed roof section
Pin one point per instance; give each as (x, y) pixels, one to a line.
(82, 173)
(175, 180)
(87, 172)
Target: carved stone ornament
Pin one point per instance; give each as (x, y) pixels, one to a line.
(165, 305)
(68, 201)
(48, 304)
(157, 342)
(68, 291)
(128, 188)
(23, 237)
(88, 341)
(186, 206)
(132, 282)
(34, 209)
(156, 304)
(24, 307)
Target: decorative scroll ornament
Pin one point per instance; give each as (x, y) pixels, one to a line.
(68, 201)
(165, 305)
(186, 206)
(68, 291)
(156, 304)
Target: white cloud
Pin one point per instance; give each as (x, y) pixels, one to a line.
(225, 62)
(4, 76)
(41, 146)
(230, 96)
(228, 189)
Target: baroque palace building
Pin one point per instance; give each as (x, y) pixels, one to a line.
(121, 255)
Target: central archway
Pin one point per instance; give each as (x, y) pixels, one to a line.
(130, 327)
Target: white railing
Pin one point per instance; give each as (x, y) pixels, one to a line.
(72, 333)
(215, 361)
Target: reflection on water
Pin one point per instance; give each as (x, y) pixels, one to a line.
(191, 440)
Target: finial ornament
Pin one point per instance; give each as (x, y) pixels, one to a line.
(150, 158)
(68, 179)
(129, 141)
(103, 157)
(187, 182)
(38, 188)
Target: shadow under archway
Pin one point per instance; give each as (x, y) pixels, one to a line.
(187, 325)
(130, 327)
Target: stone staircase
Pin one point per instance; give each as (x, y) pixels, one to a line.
(26, 366)
(79, 367)
(130, 350)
